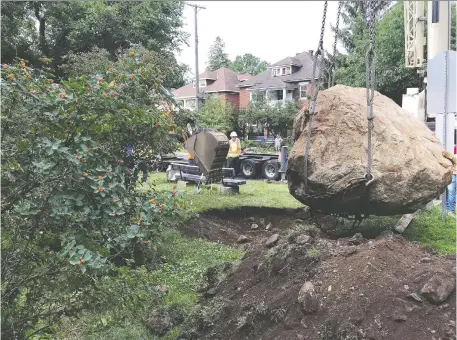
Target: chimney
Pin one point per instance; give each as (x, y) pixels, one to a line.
(310, 52)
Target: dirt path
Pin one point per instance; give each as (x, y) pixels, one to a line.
(356, 289)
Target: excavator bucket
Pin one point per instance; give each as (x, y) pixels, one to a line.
(209, 149)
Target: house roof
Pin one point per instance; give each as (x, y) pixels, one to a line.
(288, 61)
(266, 80)
(225, 81)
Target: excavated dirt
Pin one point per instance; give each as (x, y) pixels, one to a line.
(363, 289)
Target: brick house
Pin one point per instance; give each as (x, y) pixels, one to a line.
(286, 80)
(221, 83)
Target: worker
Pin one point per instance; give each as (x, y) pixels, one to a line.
(278, 142)
(451, 191)
(190, 159)
(234, 153)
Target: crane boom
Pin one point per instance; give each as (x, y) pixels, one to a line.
(414, 34)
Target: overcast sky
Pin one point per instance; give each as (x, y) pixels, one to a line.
(270, 30)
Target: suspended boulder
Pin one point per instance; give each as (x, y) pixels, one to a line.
(409, 166)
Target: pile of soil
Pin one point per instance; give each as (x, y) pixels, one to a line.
(356, 288)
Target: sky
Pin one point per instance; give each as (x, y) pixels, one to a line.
(270, 30)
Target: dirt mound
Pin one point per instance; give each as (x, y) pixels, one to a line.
(351, 288)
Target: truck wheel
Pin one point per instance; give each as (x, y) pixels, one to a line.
(248, 168)
(270, 170)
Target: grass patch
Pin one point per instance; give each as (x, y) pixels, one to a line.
(429, 229)
(187, 262)
(252, 194)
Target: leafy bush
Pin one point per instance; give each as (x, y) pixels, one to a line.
(69, 212)
(216, 114)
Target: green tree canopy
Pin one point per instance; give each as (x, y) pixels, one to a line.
(217, 114)
(248, 63)
(78, 27)
(217, 57)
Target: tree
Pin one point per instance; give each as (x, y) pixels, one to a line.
(248, 63)
(78, 27)
(217, 114)
(278, 119)
(70, 215)
(217, 57)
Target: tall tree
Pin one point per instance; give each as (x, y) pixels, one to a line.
(248, 63)
(59, 28)
(217, 57)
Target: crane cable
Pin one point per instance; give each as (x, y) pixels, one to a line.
(333, 62)
(370, 62)
(314, 91)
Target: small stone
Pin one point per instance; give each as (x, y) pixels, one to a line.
(399, 317)
(329, 289)
(211, 292)
(272, 241)
(307, 298)
(356, 239)
(298, 221)
(254, 226)
(446, 305)
(425, 260)
(415, 297)
(361, 294)
(352, 288)
(370, 242)
(303, 239)
(438, 288)
(242, 239)
(300, 337)
(406, 287)
(268, 227)
(251, 219)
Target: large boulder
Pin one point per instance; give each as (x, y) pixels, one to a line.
(408, 164)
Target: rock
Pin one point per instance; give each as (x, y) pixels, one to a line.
(272, 241)
(338, 155)
(356, 239)
(415, 297)
(438, 288)
(242, 239)
(347, 250)
(425, 260)
(303, 239)
(251, 219)
(403, 223)
(406, 287)
(307, 298)
(268, 227)
(159, 323)
(211, 292)
(254, 226)
(262, 222)
(397, 316)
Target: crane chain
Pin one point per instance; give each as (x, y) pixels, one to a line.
(370, 62)
(333, 63)
(314, 92)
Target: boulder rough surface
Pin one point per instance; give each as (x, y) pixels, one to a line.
(408, 166)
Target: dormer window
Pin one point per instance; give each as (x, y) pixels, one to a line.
(202, 83)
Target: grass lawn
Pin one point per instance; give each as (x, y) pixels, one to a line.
(252, 194)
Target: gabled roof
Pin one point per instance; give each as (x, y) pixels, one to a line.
(287, 61)
(225, 81)
(265, 79)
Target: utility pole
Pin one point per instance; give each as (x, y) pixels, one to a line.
(197, 79)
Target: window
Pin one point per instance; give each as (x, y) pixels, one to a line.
(283, 70)
(274, 72)
(202, 83)
(280, 95)
(435, 11)
(303, 91)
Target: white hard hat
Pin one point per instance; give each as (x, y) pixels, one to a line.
(233, 134)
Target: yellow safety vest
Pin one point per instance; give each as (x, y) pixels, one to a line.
(234, 149)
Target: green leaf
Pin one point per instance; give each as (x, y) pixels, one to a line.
(132, 231)
(87, 255)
